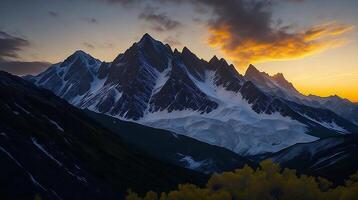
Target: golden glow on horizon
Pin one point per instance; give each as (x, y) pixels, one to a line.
(315, 74)
(297, 45)
(344, 86)
(333, 72)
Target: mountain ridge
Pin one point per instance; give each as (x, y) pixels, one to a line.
(278, 85)
(177, 91)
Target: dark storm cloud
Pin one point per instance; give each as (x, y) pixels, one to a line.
(249, 19)
(246, 31)
(53, 14)
(23, 68)
(159, 21)
(10, 45)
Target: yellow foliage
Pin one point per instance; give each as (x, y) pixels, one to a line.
(268, 182)
(37, 197)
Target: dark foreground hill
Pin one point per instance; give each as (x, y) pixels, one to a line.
(50, 148)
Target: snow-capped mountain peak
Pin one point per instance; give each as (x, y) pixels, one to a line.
(177, 91)
(278, 86)
(261, 79)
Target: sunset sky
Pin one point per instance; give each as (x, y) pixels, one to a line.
(314, 43)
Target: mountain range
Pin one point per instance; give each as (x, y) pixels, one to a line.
(154, 118)
(210, 101)
(52, 149)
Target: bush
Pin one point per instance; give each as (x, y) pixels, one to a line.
(266, 183)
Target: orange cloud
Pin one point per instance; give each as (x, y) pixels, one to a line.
(282, 46)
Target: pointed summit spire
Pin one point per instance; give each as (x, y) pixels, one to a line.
(146, 37)
(222, 60)
(79, 52)
(176, 52)
(283, 82)
(278, 76)
(80, 55)
(186, 50)
(214, 60)
(187, 53)
(252, 70)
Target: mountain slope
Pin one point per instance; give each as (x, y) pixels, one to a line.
(341, 106)
(333, 158)
(51, 148)
(174, 148)
(209, 101)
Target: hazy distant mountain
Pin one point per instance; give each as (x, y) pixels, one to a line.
(51, 148)
(209, 101)
(343, 107)
(277, 85)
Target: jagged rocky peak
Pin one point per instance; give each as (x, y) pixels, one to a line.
(279, 77)
(146, 37)
(147, 42)
(176, 51)
(187, 51)
(187, 54)
(195, 65)
(260, 79)
(81, 61)
(223, 61)
(252, 70)
(217, 63)
(147, 52)
(169, 47)
(282, 81)
(214, 59)
(80, 54)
